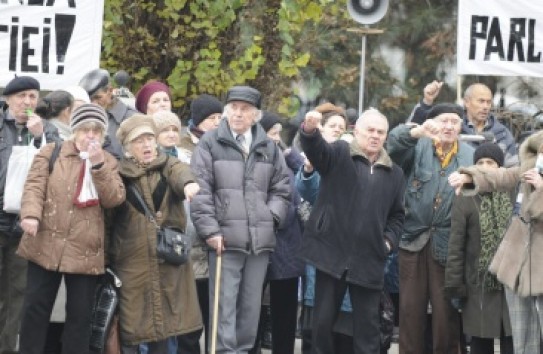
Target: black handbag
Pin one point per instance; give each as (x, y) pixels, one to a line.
(173, 244)
(106, 300)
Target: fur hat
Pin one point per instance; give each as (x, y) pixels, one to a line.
(245, 94)
(21, 83)
(146, 91)
(202, 107)
(491, 151)
(88, 112)
(134, 126)
(441, 108)
(269, 120)
(165, 119)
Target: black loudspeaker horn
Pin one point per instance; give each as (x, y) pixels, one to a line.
(367, 12)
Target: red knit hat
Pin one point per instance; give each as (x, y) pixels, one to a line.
(146, 91)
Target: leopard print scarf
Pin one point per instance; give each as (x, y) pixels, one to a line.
(494, 217)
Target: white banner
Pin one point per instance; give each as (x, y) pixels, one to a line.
(54, 41)
(500, 37)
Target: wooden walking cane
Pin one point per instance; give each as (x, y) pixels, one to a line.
(216, 300)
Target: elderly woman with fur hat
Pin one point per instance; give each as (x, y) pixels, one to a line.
(62, 215)
(518, 262)
(158, 299)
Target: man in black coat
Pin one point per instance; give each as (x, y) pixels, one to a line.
(18, 126)
(356, 221)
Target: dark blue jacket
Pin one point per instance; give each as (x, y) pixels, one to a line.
(285, 261)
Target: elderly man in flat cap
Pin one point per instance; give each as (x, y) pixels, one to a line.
(244, 196)
(18, 125)
(428, 154)
(97, 83)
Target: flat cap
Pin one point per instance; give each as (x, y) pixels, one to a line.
(21, 83)
(245, 94)
(134, 126)
(94, 80)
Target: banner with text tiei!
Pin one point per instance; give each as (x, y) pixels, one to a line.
(54, 41)
(500, 37)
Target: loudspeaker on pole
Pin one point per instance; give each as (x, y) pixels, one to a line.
(367, 12)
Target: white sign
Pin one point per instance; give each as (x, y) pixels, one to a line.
(54, 41)
(500, 37)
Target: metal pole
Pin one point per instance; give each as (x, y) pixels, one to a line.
(362, 66)
(459, 90)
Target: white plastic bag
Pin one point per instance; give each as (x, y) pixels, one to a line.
(19, 164)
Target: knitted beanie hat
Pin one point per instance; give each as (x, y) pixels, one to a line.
(146, 91)
(269, 120)
(165, 119)
(88, 112)
(202, 107)
(491, 151)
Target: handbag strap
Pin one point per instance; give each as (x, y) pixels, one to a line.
(141, 206)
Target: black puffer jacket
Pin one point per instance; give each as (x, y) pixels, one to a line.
(242, 199)
(8, 138)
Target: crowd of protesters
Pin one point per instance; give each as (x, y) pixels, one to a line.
(321, 223)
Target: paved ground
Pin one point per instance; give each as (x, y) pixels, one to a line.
(298, 350)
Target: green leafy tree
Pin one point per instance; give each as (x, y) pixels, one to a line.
(284, 48)
(205, 46)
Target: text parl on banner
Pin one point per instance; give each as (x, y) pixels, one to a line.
(499, 37)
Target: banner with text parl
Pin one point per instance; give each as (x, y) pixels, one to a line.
(500, 37)
(54, 41)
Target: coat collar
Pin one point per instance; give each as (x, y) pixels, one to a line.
(129, 168)
(118, 110)
(224, 134)
(383, 158)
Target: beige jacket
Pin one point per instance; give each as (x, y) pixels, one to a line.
(518, 262)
